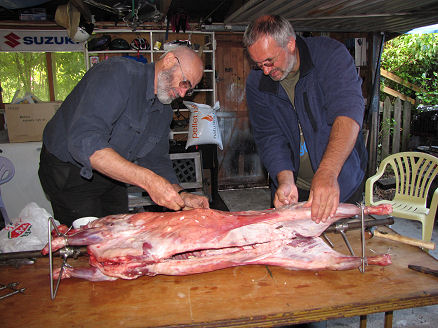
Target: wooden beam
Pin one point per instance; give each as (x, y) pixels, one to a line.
(399, 80)
(50, 76)
(397, 94)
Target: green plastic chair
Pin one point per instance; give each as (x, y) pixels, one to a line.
(414, 173)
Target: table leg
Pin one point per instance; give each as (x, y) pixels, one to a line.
(388, 319)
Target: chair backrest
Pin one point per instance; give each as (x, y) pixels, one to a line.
(7, 170)
(414, 173)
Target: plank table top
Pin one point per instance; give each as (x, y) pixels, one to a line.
(245, 296)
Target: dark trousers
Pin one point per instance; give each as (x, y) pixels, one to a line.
(73, 197)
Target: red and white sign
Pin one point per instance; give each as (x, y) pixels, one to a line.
(35, 41)
(19, 230)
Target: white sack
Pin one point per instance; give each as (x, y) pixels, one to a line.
(28, 232)
(203, 126)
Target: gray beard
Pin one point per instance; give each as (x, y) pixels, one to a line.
(164, 85)
(292, 61)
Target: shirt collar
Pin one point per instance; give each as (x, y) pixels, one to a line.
(150, 77)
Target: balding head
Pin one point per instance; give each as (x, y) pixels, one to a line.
(191, 63)
(173, 68)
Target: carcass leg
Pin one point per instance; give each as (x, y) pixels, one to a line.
(92, 274)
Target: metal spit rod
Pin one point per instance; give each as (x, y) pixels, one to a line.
(21, 290)
(362, 228)
(64, 252)
(53, 291)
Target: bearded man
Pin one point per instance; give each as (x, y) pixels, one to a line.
(112, 130)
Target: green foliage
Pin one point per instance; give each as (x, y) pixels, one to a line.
(414, 58)
(27, 72)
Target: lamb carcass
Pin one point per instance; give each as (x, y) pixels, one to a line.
(200, 240)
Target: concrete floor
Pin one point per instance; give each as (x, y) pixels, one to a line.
(422, 317)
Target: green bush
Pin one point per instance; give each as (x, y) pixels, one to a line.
(414, 58)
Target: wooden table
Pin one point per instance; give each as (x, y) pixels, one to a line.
(249, 296)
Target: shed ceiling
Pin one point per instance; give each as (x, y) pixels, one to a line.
(396, 16)
(392, 16)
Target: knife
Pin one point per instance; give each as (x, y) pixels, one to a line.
(423, 269)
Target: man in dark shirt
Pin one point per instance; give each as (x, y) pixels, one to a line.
(306, 96)
(113, 130)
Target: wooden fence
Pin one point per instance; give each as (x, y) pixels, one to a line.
(395, 126)
(394, 129)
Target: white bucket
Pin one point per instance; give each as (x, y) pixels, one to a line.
(83, 221)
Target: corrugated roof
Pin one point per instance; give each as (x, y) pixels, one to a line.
(394, 16)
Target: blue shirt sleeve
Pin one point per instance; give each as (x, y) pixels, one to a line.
(341, 85)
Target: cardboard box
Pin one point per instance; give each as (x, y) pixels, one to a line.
(26, 122)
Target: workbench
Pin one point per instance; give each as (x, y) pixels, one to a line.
(246, 296)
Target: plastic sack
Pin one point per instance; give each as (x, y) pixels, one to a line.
(203, 125)
(28, 232)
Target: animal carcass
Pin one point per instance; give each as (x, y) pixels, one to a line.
(201, 240)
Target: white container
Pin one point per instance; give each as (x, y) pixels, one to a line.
(83, 221)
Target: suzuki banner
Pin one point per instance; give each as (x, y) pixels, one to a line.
(35, 41)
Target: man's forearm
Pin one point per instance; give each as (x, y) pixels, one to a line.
(107, 161)
(342, 140)
(285, 176)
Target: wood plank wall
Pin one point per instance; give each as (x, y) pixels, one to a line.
(239, 164)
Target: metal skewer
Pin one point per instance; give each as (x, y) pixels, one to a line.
(53, 291)
(64, 252)
(21, 290)
(362, 230)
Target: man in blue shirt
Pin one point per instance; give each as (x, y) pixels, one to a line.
(113, 130)
(306, 96)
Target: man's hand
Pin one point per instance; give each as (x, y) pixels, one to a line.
(287, 192)
(324, 195)
(162, 192)
(194, 201)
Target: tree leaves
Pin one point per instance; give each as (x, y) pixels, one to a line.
(414, 57)
(27, 72)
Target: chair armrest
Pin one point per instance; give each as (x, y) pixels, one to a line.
(434, 203)
(370, 183)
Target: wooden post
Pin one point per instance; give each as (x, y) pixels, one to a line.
(50, 76)
(406, 125)
(396, 134)
(386, 121)
(363, 321)
(374, 136)
(388, 319)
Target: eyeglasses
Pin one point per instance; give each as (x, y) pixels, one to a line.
(185, 84)
(269, 62)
